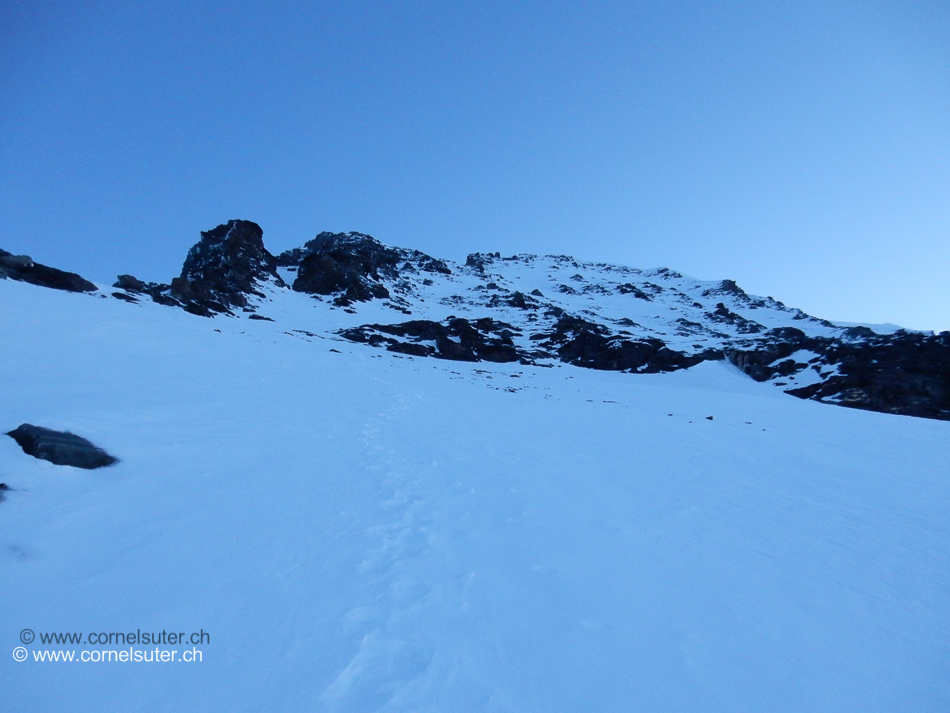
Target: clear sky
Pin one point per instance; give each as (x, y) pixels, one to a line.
(801, 148)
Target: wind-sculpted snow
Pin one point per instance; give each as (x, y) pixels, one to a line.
(363, 530)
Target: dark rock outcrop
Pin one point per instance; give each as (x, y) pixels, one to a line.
(583, 343)
(727, 287)
(572, 340)
(478, 261)
(630, 289)
(905, 373)
(130, 283)
(225, 266)
(516, 299)
(60, 447)
(352, 266)
(23, 269)
(458, 339)
(219, 273)
(160, 293)
(724, 315)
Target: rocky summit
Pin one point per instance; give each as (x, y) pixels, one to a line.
(220, 272)
(538, 311)
(353, 267)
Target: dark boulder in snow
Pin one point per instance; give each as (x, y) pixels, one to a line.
(515, 299)
(60, 447)
(130, 283)
(23, 269)
(724, 315)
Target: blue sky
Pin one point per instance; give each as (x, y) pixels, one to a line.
(802, 148)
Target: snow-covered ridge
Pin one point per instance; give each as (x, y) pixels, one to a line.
(539, 310)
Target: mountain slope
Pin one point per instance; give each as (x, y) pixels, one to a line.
(598, 316)
(366, 530)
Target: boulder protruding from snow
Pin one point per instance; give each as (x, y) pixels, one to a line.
(23, 269)
(60, 447)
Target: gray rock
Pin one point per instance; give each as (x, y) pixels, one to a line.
(59, 447)
(23, 269)
(17, 262)
(130, 283)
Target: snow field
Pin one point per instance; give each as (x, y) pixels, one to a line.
(363, 531)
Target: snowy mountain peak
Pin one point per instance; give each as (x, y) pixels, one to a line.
(547, 310)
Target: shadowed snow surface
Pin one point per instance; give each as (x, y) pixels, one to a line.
(364, 531)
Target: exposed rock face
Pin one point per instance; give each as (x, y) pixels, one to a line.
(23, 269)
(514, 299)
(350, 265)
(724, 315)
(226, 264)
(904, 373)
(458, 340)
(220, 272)
(628, 289)
(573, 340)
(580, 342)
(160, 293)
(59, 447)
(353, 266)
(478, 261)
(908, 374)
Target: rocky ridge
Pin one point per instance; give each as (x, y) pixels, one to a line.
(543, 310)
(221, 272)
(23, 269)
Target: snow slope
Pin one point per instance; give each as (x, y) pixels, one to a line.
(366, 531)
(672, 307)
